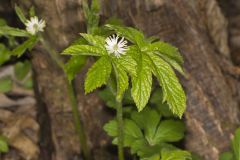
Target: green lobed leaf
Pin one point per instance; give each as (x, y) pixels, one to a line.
(74, 65)
(131, 131)
(3, 145)
(175, 155)
(138, 145)
(147, 120)
(236, 144)
(4, 54)
(131, 128)
(172, 90)
(28, 44)
(169, 131)
(98, 74)
(142, 83)
(6, 30)
(111, 128)
(5, 84)
(20, 14)
(86, 50)
(22, 69)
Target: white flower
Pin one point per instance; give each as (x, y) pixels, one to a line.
(34, 25)
(116, 47)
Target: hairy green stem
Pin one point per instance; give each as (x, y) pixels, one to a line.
(120, 129)
(76, 115)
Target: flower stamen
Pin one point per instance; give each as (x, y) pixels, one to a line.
(116, 47)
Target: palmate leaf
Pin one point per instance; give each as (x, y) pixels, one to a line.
(98, 74)
(86, 50)
(131, 131)
(142, 83)
(111, 128)
(173, 92)
(169, 131)
(149, 124)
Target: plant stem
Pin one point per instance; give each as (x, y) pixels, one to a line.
(77, 119)
(120, 129)
(73, 100)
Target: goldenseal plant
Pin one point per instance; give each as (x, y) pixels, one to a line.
(139, 61)
(33, 33)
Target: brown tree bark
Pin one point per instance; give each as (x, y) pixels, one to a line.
(197, 27)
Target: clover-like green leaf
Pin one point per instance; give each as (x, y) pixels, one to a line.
(111, 128)
(98, 74)
(147, 120)
(131, 131)
(169, 131)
